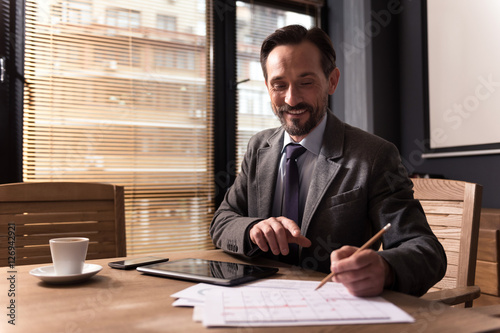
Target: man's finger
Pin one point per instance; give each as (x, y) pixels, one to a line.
(272, 238)
(290, 225)
(281, 238)
(338, 258)
(300, 240)
(276, 233)
(344, 252)
(263, 235)
(258, 238)
(294, 232)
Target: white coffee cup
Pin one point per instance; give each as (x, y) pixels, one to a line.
(68, 254)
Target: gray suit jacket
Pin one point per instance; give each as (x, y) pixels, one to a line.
(358, 186)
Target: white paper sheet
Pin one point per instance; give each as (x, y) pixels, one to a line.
(274, 302)
(186, 302)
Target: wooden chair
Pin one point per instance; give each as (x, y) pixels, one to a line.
(37, 212)
(453, 210)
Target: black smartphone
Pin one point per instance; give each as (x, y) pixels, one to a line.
(133, 263)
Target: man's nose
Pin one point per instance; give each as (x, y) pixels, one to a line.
(293, 96)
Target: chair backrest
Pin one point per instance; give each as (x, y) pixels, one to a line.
(453, 210)
(37, 212)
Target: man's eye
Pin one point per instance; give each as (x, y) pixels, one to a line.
(306, 83)
(279, 86)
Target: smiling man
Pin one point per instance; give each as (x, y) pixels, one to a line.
(349, 185)
(297, 86)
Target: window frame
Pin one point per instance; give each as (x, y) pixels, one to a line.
(225, 82)
(11, 91)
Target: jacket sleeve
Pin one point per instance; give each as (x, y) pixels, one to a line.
(410, 247)
(230, 224)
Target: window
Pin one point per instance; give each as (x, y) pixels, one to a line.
(130, 106)
(76, 12)
(254, 23)
(164, 58)
(123, 18)
(166, 22)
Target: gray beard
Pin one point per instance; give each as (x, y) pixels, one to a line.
(295, 128)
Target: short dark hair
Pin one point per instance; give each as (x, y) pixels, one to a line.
(294, 35)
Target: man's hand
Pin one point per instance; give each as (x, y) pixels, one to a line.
(363, 274)
(275, 233)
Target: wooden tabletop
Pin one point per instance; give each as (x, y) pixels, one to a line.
(128, 301)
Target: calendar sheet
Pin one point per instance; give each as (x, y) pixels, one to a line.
(295, 303)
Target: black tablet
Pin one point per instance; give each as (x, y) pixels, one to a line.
(208, 271)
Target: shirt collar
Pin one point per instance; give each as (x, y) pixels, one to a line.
(312, 142)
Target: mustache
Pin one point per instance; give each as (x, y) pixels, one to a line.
(300, 106)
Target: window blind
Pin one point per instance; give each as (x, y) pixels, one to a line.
(121, 92)
(254, 23)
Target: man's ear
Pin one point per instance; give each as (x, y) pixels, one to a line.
(333, 80)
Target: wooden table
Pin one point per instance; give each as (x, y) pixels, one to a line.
(128, 301)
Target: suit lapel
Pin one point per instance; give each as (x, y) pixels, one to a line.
(267, 172)
(326, 168)
(323, 175)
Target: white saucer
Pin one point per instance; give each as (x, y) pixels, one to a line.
(47, 274)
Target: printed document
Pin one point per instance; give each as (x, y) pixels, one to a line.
(274, 302)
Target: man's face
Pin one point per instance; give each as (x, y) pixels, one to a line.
(298, 87)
